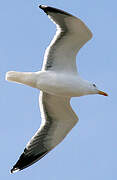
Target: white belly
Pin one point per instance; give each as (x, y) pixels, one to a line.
(60, 84)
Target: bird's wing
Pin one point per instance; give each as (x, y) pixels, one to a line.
(70, 36)
(58, 119)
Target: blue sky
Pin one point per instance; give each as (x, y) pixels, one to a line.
(90, 149)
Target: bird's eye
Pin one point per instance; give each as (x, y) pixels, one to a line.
(94, 85)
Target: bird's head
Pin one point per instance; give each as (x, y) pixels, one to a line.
(97, 91)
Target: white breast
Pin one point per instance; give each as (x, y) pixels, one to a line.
(60, 84)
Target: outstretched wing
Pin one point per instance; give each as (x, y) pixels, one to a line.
(58, 119)
(70, 36)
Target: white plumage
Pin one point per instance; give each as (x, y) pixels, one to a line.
(58, 81)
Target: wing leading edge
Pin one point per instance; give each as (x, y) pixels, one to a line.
(70, 36)
(58, 119)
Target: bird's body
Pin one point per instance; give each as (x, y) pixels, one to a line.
(58, 81)
(54, 83)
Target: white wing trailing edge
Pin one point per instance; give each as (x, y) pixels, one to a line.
(58, 119)
(70, 36)
(58, 82)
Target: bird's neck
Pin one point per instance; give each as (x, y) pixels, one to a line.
(27, 78)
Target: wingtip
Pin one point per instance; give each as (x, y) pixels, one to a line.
(42, 6)
(48, 9)
(14, 170)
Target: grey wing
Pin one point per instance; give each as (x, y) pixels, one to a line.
(58, 119)
(70, 36)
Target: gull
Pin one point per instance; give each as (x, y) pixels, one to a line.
(57, 81)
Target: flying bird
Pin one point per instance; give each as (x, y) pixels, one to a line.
(57, 81)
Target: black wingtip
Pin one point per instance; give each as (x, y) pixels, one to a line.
(27, 160)
(44, 8)
(13, 170)
(47, 9)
